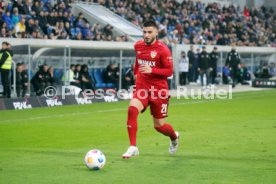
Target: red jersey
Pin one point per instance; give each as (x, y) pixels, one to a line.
(158, 57)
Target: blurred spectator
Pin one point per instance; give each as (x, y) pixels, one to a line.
(41, 80)
(129, 78)
(52, 79)
(183, 69)
(15, 16)
(109, 75)
(203, 66)
(38, 29)
(243, 75)
(51, 19)
(214, 56)
(77, 71)
(173, 37)
(246, 12)
(5, 68)
(42, 22)
(72, 78)
(20, 26)
(7, 19)
(117, 72)
(272, 69)
(226, 75)
(192, 67)
(30, 25)
(19, 81)
(27, 8)
(233, 60)
(86, 80)
(63, 36)
(196, 65)
(19, 5)
(263, 71)
(108, 30)
(36, 7)
(3, 33)
(25, 79)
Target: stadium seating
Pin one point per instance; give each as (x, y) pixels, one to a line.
(191, 22)
(98, 76)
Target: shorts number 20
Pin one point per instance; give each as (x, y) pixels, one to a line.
(164, 108)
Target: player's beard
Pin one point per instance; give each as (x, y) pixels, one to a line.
(149, 42)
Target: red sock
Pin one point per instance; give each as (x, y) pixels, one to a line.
(167, 130)
(132, 124)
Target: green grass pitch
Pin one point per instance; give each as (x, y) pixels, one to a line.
(222, 142)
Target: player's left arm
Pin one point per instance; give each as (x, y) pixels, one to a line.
(167, 63)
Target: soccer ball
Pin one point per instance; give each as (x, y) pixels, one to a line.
(94, 159)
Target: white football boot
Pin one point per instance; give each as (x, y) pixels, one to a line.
(131, 152)
(174, 144)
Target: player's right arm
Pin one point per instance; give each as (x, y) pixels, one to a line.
(135, 70)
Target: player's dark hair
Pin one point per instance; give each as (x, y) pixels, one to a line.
(150, 23)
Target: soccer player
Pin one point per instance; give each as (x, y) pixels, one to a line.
(152, 67)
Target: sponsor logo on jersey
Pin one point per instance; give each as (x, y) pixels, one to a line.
(145, 62)
(153, 54)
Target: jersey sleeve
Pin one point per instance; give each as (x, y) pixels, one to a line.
(135, 71)
(167, 63)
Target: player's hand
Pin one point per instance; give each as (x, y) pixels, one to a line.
(145, 69)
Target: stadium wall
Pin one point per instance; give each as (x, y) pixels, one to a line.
(35, 102)
(252, 56)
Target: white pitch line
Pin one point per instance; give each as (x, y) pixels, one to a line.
(111, 110)
(124, 109)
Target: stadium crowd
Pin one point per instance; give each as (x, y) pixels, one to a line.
(42, 20)
(188, 22)
(193, 22)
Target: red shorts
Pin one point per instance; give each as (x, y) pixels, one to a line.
(157, 100)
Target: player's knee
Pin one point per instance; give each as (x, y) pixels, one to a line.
(136, 103)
